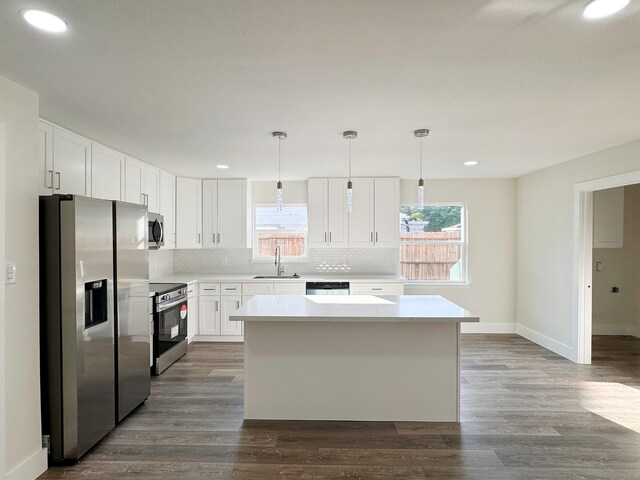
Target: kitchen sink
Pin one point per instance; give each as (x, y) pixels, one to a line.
(276, 276)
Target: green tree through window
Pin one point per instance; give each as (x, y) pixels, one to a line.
(438, 216)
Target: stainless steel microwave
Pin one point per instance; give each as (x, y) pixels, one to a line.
(156, 231)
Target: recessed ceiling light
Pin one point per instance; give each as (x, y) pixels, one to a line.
(603, 8)
(470, 163)
(44, 21)
(222, 167)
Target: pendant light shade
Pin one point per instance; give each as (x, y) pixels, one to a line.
(280, 136)
(421, 133)
(350, 135)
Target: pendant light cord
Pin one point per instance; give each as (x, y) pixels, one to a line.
(349, 159)
(421, 139)
(279, 149)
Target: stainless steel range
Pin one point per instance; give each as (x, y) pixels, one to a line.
(170, 318)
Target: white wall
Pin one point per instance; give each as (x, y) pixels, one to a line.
(491, 206)
(616, 313)
(545, 309)
(23, 455)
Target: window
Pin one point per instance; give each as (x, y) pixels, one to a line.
(433, 243)
(286, 228)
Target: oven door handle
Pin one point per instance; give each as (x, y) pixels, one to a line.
(165, 306)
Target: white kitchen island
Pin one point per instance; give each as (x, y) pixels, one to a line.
(352, 357)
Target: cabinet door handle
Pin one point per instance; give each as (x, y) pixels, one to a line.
(217, 306)
(58, 176)
(214, 238)
(198, 236)
(325, 237)
(377, 289)
(237, 304)
(371, 237)
(218, 238)
(376, 237)
(50, 179)
(329, 237)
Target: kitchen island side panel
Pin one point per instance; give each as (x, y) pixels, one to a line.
(352, 371)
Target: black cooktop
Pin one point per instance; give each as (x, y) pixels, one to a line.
(162, 288)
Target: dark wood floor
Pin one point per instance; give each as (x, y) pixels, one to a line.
(526, 414)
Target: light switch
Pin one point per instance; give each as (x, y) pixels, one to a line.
(598, 266)
(10, 273)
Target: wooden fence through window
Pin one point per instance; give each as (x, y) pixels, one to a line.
(291, 244)
(429, 262)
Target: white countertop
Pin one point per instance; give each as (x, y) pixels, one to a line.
(352, 308)
(203, 277)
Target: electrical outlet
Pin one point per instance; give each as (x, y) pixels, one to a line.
(10, 273)
(225, 261)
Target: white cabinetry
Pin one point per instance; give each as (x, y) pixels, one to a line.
(361, 219)
(142, 184)
(289, 288)
(387, 212)
(327, 203)
(224, 213)
(107, 173)
(45, 156)
(376, 289)
(209, 315)
(217, 302)
(192, 309)
(188, 213)
(168, 207)
(608, 218)
(66, 161)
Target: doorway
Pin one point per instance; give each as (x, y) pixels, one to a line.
(584, 259)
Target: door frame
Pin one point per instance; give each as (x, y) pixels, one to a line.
(583, 257)
(3, 411)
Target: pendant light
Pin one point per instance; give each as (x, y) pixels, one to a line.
(280, 136)
(350, 135)
(421, 133)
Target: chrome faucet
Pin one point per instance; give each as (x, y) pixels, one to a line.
(280, 268)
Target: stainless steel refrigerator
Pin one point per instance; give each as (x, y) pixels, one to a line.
(131, 263)
(87, 371)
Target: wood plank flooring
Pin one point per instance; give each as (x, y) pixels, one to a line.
(526, 414)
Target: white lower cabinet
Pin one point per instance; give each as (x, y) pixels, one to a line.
(209, 315)
(229, 305)
(192, 308)
(376, 289)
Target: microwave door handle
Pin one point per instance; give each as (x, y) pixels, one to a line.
(161, 232)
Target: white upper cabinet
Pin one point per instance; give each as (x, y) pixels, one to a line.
(608, 218)
(107, 173)
(317, 210)
(328, 218)
(142, 184)
(151, 187)
(133, 181)
(168, 207)
(361, 226)
(224, 210)
(71, 163)
(188, 212)
(45, 154)
(387, 212)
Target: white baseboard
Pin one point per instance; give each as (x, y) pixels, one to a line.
(612, 329)
(31, 468)
(218, 338)
(634, 330)
(547, 342)
(481, 327)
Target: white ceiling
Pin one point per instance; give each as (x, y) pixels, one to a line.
(514, 84)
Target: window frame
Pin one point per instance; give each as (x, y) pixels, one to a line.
(255, 258)
(464, 247)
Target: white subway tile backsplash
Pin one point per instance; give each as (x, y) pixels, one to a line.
(319, 260)
(160, 263)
